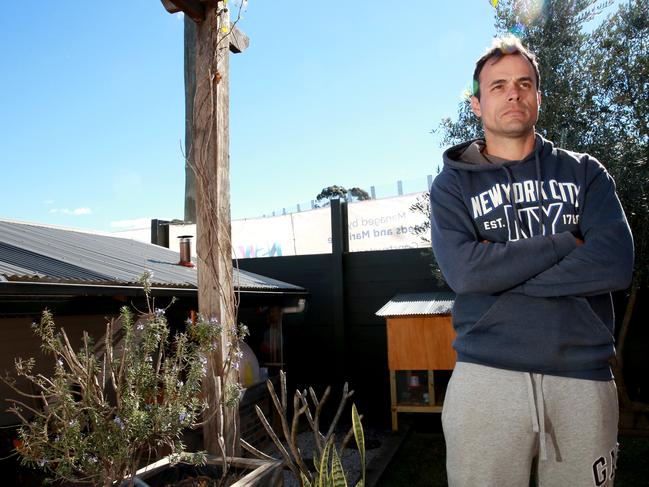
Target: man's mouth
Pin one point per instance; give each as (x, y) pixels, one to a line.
(515, 113)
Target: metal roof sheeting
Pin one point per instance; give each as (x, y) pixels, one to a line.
(434, 303)
(38, 253)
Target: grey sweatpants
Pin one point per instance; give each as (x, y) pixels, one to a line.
(498, 424)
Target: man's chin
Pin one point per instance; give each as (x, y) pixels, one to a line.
(517, 130)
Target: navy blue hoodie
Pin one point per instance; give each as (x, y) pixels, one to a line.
(503, 233)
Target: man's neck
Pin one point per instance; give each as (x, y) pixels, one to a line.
(510, 149)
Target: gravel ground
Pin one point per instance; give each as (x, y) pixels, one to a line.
(350, 458)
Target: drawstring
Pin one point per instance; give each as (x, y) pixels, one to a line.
(537, 409)
(512, 197)
(538, 192)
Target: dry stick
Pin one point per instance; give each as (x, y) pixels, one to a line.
(282, 382)
(287, 458)
(218, 388)
(17, 403)
(91, 379)
(122, 364)
(297, 412)
(258, 453)
(110, 358)
(348, 436)
(316, 434)
(160, 355)
(341, 406)
(68, 353)
(107, 353)
(319, 404)
(287, 434)
(13, 387)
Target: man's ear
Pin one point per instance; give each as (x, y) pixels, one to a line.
(475, 106)
(538, 98)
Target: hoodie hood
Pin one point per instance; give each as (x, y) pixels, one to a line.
(469, 155)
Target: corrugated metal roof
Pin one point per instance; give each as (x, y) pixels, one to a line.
(38, 253)
(437, 303)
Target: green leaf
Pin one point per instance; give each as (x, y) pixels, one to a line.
(305, 481)
(337, 472)
(359, 436)
(324, 463)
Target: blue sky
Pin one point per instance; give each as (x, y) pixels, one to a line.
(92, 101)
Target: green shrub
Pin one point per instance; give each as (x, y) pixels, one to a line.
(109, 407)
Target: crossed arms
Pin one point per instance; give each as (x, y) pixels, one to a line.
(541, 266)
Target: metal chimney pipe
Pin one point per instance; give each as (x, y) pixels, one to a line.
(186, 251)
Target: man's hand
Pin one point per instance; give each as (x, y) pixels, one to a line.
(579, 241)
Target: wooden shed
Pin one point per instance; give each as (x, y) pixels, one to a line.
(419, 337)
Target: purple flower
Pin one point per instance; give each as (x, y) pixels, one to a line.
(118, 421)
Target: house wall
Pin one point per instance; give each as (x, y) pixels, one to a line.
(19, 341)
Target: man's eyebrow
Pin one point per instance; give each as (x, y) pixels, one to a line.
(500, 81)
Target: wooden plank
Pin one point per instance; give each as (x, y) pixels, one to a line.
(239, 41)
(420, 343)
(419, 409)
(194, 9)
(393, 400)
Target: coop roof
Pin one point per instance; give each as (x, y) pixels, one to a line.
(431, 303)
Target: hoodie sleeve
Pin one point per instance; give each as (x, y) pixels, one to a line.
(473, 267)
(604, 263)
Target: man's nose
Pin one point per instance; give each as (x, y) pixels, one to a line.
(514, 93)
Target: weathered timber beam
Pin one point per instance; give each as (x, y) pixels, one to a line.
(239, 41)
(194, 9)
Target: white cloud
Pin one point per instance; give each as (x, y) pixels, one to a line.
(75, 212)
(48, 202)
(130, 224)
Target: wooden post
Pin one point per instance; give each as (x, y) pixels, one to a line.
(207, 195)
(190, 93)
(210, 156)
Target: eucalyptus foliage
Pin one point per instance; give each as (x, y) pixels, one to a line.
(619, 68)
(340, 192)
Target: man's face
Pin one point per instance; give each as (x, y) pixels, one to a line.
(509, 100)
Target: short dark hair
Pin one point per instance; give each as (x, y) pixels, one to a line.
(503, 46)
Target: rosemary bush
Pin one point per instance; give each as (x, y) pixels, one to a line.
(109, 407)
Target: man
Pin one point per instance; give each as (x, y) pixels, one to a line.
(532, 238)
